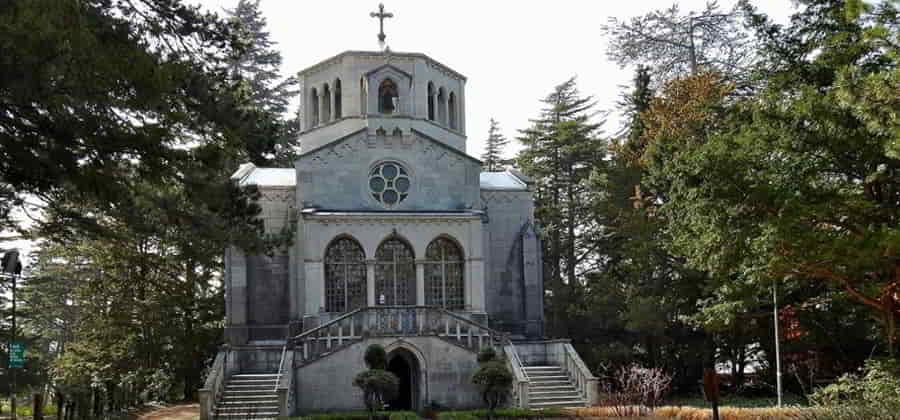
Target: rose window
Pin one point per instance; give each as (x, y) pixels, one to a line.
(389, 183)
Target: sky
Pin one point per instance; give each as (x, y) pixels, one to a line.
(512, 52)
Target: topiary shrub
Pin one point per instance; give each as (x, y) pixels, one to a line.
(377, 384)
(493, 379)
(487, 354)
(376, 357)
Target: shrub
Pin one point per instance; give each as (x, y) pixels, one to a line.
(376, 357)
(879, 384)
(635, 386)
(487, 354)
(494, 381)
(378, 386)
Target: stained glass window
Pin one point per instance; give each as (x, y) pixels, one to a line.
(444, 275)
(395, 273)
(389, 183)
(345, 276)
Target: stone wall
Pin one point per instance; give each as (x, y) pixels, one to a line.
(514, 287)
(336, 176)
(445, 375)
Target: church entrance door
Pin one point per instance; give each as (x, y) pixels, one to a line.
(403, 363)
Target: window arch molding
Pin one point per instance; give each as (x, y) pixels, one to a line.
(344, 261)
(395, 272)
(444, 266)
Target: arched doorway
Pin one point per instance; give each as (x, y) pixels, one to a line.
(405, 365)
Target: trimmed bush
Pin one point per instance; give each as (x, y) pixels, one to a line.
(376, 357)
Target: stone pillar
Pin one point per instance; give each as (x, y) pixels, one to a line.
(315, 287)
(370, 282)
(420, 282)
(323, 100)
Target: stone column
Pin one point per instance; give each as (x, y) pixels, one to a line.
(420, 282)
(323, 100)
(370, 282)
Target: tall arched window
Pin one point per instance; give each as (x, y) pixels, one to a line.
(395, 273)
(451, 107)
(326, 104)
(314, 107)
(388, 99)
(442, 106)
(444, 275)
(345, 276)
(363, 97)
(430, 101)
(338, 111)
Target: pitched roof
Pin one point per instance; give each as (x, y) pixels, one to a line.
(250, 174)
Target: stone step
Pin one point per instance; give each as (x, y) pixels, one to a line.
(551, 382)
(252, 381)
(248, 409)
(255, 376)
(243, 402)
(250, 397)
(250, 387)
(544, 378)
(558, 403)
(247, 415)
(562, 392)
(542, 367)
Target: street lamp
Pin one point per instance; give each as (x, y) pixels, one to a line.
(13, 267)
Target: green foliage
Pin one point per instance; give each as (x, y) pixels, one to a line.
(378, 386)
(878, 384)
(390, 415)
(375, 357)
(487, 354)
(492, 159)
(561, 149)
(494, 381)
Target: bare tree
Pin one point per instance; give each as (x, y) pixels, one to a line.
(672, 44)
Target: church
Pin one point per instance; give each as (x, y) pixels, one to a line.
(398, 239)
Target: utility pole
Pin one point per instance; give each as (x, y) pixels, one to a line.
(12, 266)
(777, 342)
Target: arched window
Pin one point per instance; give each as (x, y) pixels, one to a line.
(444, 275)
(314, 107)
(430, 101)
(363, 97)
(326, 104)
(338, 111)
(442, 106)
(345, 276)
(388, 100)
(395, 273)
(451, 107)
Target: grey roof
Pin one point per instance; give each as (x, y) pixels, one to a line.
(504, 181)
(250, 174)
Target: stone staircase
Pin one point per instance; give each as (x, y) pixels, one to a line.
(248, 396)
(551, 387)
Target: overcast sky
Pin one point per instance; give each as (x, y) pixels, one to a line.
(512, 52)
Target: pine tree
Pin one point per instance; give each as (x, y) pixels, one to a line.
(258, 66)
(562, 148)
(492, 159)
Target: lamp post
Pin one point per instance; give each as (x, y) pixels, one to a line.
(12, 266)
(777, 341)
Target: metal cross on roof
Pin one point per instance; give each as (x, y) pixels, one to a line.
(381, 15)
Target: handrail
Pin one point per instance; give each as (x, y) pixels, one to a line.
(516, 359)
(280, 367)
(329, 323)
(212, 387)
(584, 379)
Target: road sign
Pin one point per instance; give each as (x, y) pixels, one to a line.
(16, 355)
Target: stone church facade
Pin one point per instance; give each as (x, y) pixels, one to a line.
(398, 238)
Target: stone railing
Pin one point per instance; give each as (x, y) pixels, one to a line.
(381, 321)
(285, 386)
(214, 385)
(521, 383)
(585, 381)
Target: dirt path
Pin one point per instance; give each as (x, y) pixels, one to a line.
(187, 411)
